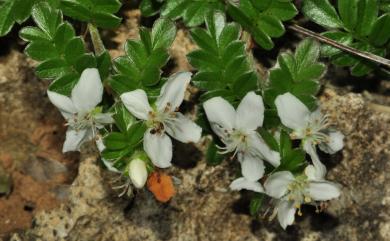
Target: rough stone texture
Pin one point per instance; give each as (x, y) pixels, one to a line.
(31, 136)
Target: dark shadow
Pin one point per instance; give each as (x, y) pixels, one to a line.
(321, 221)
(185, 155)
(241, 206)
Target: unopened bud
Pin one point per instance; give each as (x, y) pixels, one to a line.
(138, 173)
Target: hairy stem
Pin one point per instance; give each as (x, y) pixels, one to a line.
(96, 40)
(345, 48)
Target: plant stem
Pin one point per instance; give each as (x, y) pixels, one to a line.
(363, 54)
(96, 40)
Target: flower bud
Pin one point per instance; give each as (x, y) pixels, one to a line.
(138, 173)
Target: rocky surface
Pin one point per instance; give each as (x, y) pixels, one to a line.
(31, 135)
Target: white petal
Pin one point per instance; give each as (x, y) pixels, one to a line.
(286, 213)
(276, 185)
(336, 143)
(252, 168)
(74, 139)
(292, 112)
(323, 190)
(88, 91)
(173, 91)
(159, 148)
(138, 173)
(243, 183)
(221, 115)
(250, 112)
(258, 145)
(103, 118)
(319, 168)
(137, 103)
(184, 129)
(63, 103)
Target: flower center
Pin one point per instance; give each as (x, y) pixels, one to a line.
(158, 119)
(235, 141)
(297, 192)
(315, 130)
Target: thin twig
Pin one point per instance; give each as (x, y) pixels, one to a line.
(363, 54)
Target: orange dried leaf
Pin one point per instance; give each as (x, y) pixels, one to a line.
(161, 186)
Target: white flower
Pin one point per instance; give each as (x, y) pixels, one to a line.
(138, 173)
(294, 191)
(163, 117)
(80, 111)
(237, 130)
(311, 127)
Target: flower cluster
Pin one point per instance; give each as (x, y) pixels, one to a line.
(237, 129)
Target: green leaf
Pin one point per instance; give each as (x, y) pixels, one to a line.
(263, 19)
(64, 85)
(213, 158)
(193, 12)
(297, 73)
(33, 34)
(136, 133)
(322, 13)
(46, 18)
(256, 203)
(115, 141)
(98, 12)
(222, 62)
(141, 66)
(64, 34)
(380, 33)
(150, 7)
(74, 49)
(85, 61)
(104, 64)
(52, 68)
(123, 119)
(163, 33)
(22, 10)
(6, 17)
(41, 51)
(348, 10)
(341, 37)
(367, 12)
